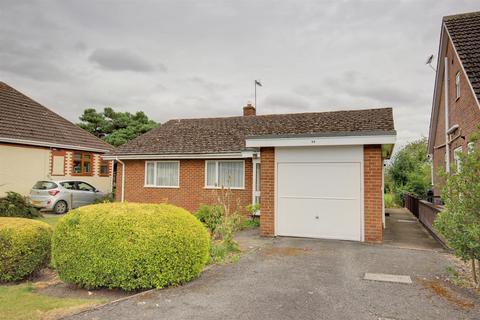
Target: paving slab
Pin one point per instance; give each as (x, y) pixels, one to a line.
(388, 278)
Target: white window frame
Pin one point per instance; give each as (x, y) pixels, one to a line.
(458, 165)
(216, 174)
(457, 86)
(155, 175)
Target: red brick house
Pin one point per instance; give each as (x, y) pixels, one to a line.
(456, 108)
(314, 174)
(38, 144)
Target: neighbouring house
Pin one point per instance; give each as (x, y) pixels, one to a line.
(456, 108)
(38, 144)
(315, 175)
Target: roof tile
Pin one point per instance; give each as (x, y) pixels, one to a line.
(25, 119)
(464, 29)
(214, 135)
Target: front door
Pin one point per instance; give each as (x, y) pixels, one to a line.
(256, 183)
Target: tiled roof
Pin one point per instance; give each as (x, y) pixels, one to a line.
(215, 135)
(464, 30)
(22, 118)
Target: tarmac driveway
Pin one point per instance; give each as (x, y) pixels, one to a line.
(289, 278)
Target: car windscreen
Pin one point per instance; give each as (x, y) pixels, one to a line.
(45, 185)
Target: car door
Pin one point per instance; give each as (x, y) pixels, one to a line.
(70, 188)
(85, 193)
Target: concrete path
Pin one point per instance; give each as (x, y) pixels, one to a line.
(291, 278)
(402, 229)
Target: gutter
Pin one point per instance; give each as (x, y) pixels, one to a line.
(50, 144)
(122, 198)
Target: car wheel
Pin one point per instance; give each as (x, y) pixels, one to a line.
(60, 207)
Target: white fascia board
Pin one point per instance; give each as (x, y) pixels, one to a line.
(320, 141)
(231, 155)
(50, 144)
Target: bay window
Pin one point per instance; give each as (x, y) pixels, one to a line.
(225, 173)
(164, 174)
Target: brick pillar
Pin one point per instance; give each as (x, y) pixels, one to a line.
(267, 192)
(373, 193)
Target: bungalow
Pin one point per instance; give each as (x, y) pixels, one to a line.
(455, 112)
(38, 144)
(315, 175)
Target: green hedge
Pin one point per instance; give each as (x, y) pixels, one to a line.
(129, 246)
(24, 247)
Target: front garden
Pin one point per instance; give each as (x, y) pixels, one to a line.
(51, 266)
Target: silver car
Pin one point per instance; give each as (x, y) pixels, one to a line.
(61, 196)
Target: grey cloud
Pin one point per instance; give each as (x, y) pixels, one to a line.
(123, 60)
(34, 61)
(283, 101)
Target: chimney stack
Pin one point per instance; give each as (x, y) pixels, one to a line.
(249, 110)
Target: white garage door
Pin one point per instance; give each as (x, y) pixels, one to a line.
(319, 193)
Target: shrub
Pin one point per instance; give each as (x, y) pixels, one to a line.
(210, 216)
(15, 205)
(24, 247)
(129, 246)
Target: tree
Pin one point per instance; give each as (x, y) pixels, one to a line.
(459, 223)
(115, 128)
(409, 171)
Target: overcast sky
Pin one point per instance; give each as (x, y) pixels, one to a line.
(184, 59)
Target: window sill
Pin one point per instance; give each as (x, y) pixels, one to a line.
(219, 188)
(162, 187)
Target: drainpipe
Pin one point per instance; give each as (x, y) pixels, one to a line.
(447, 143)
(122, 198)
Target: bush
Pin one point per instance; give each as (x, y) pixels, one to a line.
(15, 205)
(210, 216)
(129, 246)
(24, 247)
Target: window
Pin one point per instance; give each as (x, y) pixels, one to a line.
(471, 147)
(69, 185)
(457, 85)
(83, 186)
(104, 168)
(456, 157)
(44, 185)
(224, 173)
(82, 164)
(162, 174)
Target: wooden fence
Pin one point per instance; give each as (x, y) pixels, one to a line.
(426, 213)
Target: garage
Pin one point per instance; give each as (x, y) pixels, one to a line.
(319, 192)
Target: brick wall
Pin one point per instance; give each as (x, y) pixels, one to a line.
(267, 192)
(191, 193)
(463, 111)
(373, 193)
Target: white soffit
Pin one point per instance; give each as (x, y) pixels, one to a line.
(320, 141)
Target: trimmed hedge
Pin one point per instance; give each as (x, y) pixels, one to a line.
(24, 247)
(129, 246)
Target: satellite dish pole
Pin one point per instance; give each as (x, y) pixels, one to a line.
(429, 62)
(257, 83)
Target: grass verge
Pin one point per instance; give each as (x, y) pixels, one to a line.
(51, 219)
(18, 302)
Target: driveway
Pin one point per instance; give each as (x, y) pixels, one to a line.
(291, 278)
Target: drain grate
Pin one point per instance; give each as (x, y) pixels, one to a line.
(387, 278)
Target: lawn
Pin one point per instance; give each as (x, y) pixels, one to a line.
(51, 219)
(21, 302)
